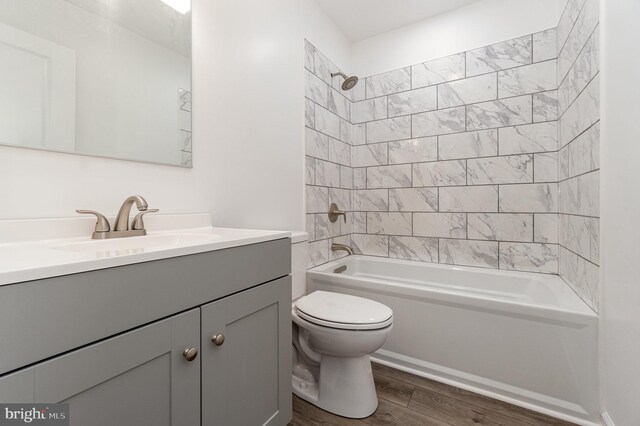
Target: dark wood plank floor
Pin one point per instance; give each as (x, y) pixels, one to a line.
(408, 400)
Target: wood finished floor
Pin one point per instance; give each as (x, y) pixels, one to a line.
(408, 400)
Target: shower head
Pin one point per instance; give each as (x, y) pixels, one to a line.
(349, 82)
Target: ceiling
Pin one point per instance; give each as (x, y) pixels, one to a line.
(360, 19)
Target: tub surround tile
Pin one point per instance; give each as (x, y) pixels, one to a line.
(339, 105)
(468, 199)
(317, 199)
(528, 79)
(500, 113)
(370, 110)
(339, 152)
(499, 56)
(323, 67)
(358, 222)
(342, 197)
(500, 170)
(369, 155)
(371, 200)
(439, 122)
(529, 138)
(360, 178)
(568, 19)
(529, 198)
(594, 228)
(545, 228)
(413, 150)
(441, 225)
(358, 134)
(545, 167)
(346, 177)
(310, 170)
(440, 173)
(529, 257)
(370, 245)
(500, 226)
(397, 176)
(468, 91)
(581, 275)
(469, 253)
(579, 35)
(325, 228)
(582, 114)
(318, 253)
(327, 174)
(327, 122)
(545, 106)
(310, 226)
(545, 45)
(388, 82)
(585, 68)
(413, 101)
(309, 113)
(316, 90)
(389, 223)
(309, 54)
(482, 143)
(438, 71)
(391, 129)
(358, 93)
(413, 199)
(414, 248)
(575, 234)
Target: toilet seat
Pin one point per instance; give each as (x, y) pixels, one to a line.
(343, 311)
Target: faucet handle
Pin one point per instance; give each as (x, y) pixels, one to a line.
(334, 212)
(102, 224)
(138, 223)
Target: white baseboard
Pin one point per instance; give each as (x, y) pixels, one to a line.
(606, 419)
(450, 377)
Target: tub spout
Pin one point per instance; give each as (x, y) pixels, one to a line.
(338, 247)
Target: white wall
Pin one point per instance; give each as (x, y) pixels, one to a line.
(620, 205)
(253, 115)
(479, 24)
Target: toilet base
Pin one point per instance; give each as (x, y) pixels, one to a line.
(345, 387)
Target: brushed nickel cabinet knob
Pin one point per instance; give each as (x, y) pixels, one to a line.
(218, 339)
(190, 354)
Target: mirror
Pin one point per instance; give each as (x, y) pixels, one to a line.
(109, 78)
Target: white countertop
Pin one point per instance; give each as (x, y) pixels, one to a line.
(169, 236)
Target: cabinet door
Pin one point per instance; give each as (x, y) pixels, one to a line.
(138, 378)
(246, 381)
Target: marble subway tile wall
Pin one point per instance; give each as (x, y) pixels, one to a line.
(329, 135)
(459, 163)
(184, 110)
(579, 148)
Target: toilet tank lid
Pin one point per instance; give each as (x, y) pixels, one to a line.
(299, 236)
(343, 308)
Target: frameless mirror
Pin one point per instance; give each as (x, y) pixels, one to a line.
(109, 78)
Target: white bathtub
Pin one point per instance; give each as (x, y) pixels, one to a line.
(520, 337)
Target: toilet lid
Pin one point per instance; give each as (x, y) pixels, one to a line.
(343, 311)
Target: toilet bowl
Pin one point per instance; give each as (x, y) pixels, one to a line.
(333, 335)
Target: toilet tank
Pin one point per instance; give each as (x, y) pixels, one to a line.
(299, 250)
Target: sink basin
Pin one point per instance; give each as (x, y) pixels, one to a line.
(131, 245)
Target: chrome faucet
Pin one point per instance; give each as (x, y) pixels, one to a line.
(121, 229)
(343, 247)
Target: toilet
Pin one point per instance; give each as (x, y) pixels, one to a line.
(333, 335)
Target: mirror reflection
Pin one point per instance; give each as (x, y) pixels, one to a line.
(106, 78)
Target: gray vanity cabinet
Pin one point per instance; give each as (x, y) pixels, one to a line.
(245, 377)
(137, 378)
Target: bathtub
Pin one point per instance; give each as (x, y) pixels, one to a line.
(523, 338)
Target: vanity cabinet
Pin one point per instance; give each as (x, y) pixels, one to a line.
(143, 375)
